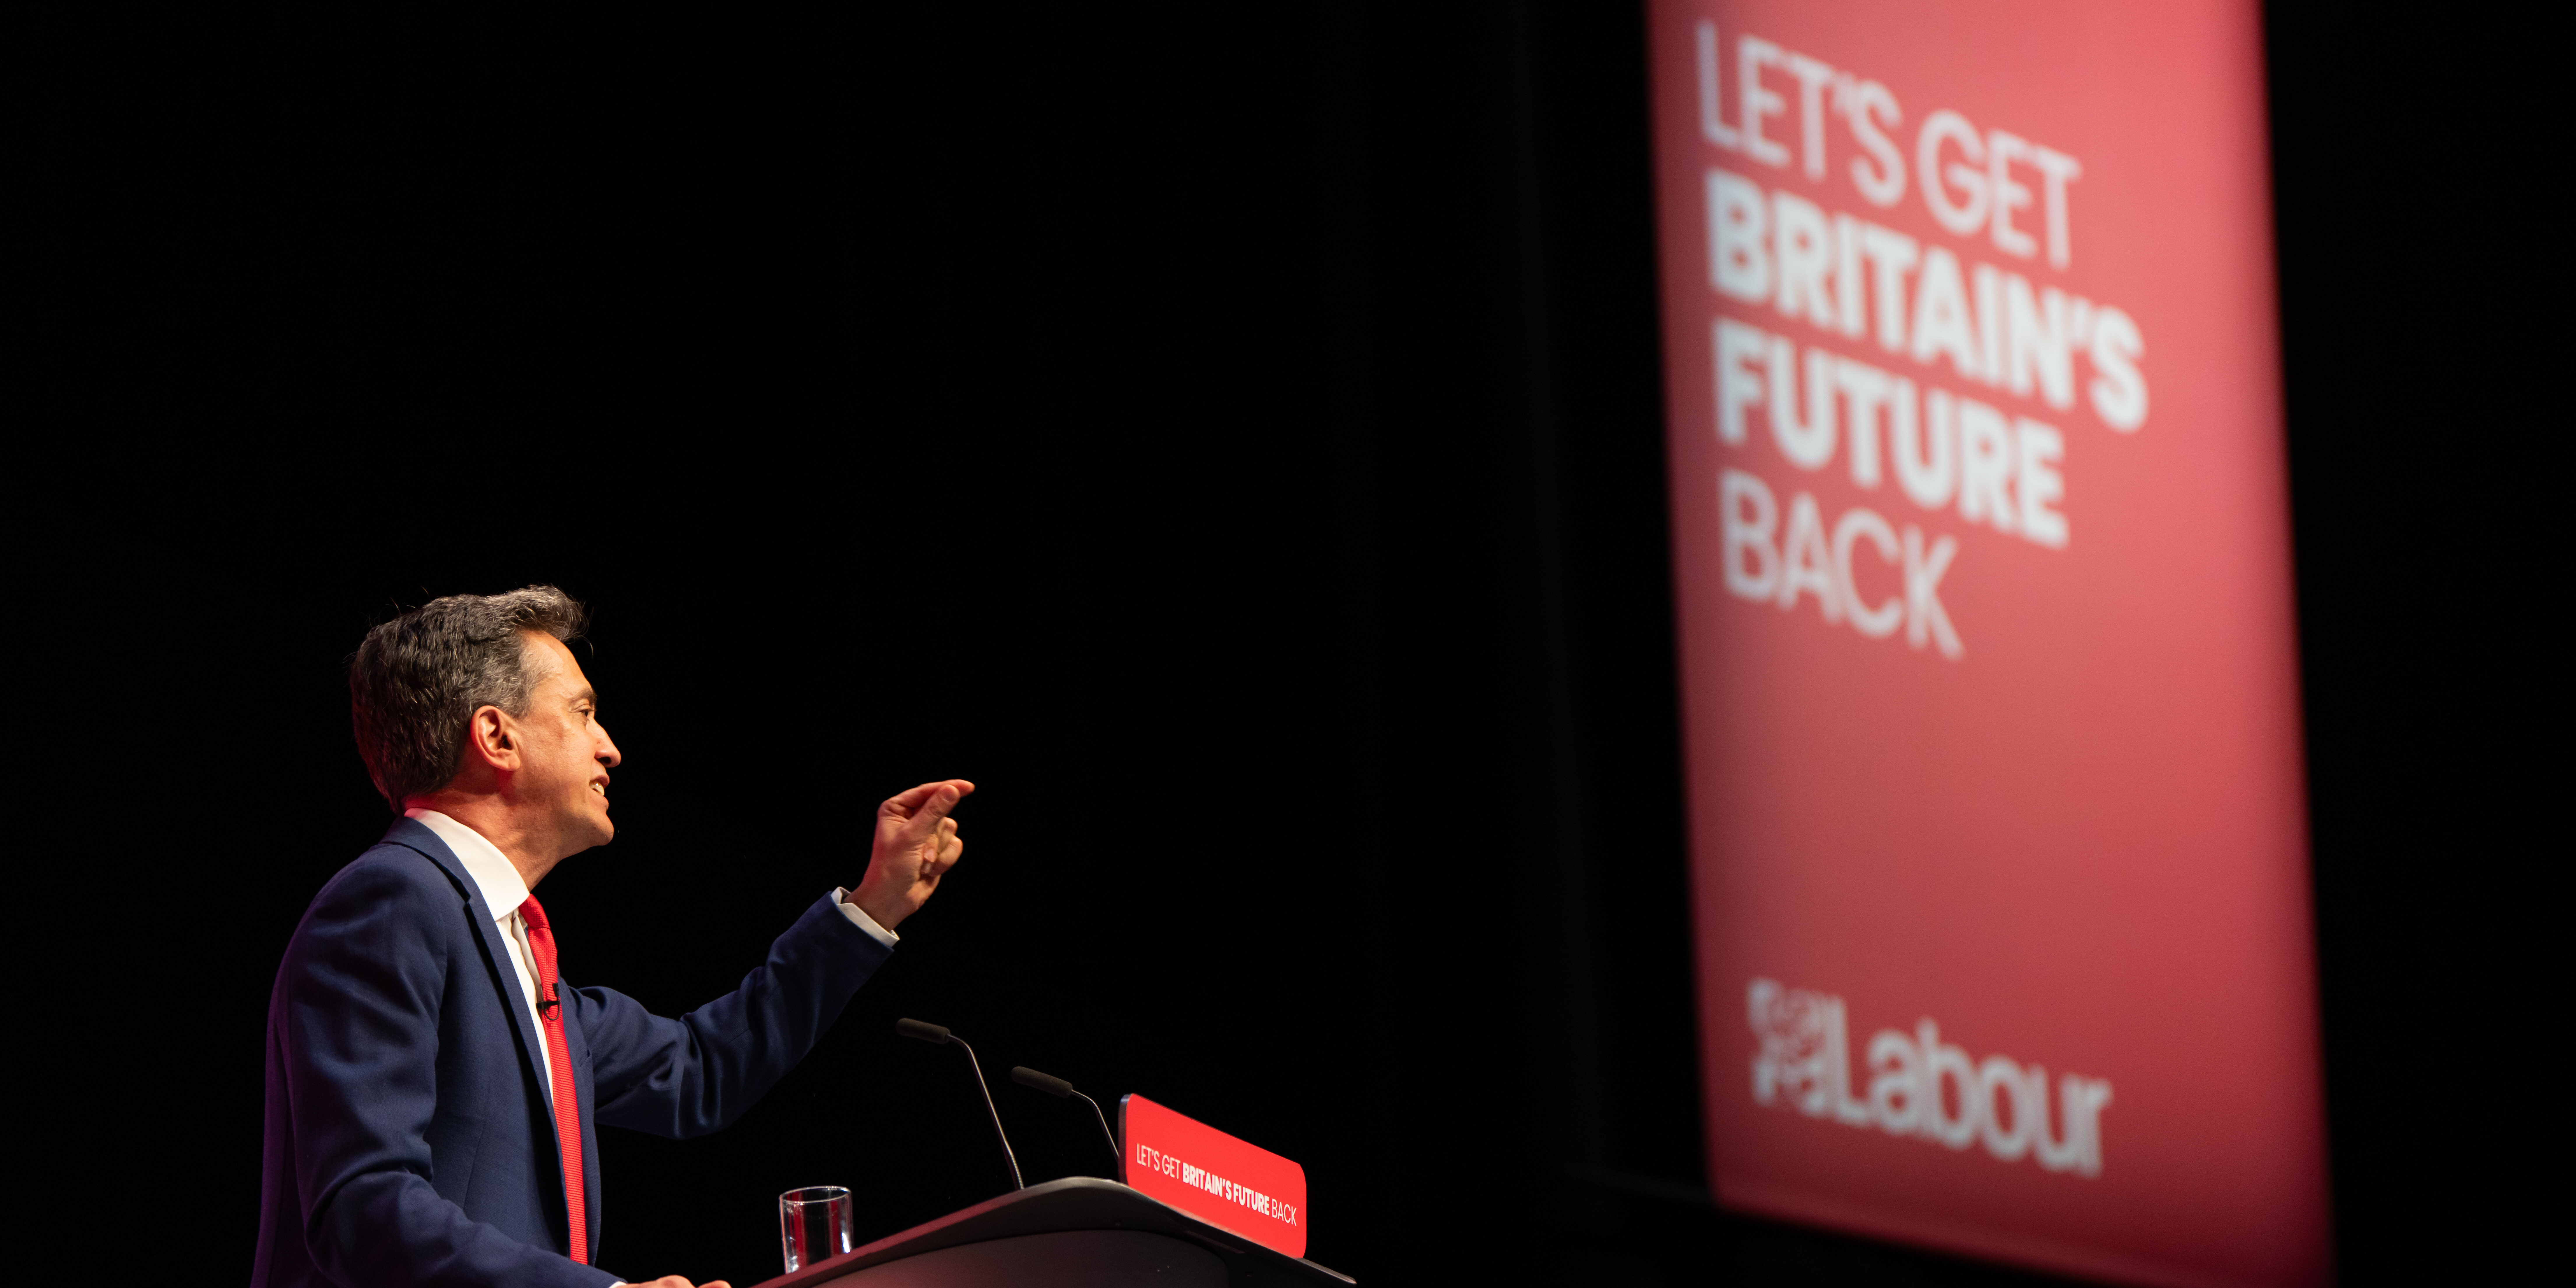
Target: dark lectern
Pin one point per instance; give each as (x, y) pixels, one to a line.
(1079, 1232)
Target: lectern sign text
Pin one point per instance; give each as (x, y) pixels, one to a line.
(1230, 1184)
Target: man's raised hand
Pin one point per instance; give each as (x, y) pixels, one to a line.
(916, 844)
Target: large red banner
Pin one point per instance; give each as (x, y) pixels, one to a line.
(1991, 700)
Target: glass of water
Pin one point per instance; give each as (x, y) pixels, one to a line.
(813, 1223)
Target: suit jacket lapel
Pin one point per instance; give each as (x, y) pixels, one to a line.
(496, 954)
(577, 1041)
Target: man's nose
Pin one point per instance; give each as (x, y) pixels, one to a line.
(607, 753)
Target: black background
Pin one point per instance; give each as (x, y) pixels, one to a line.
(1234, 442)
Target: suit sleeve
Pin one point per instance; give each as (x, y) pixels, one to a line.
(361, 995)
(698, 1073)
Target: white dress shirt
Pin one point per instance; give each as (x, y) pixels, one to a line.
(498, 880)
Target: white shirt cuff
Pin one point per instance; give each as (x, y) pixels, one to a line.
(860, 919)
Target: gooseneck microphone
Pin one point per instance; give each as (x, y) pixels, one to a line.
(1059, 1088)
(937, 1036)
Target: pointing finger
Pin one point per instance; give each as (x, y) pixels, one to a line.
(904, 804)
(942, 797)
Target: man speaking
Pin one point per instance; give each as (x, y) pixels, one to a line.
(432, 1081)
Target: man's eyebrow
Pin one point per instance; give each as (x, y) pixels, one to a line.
(587, 694)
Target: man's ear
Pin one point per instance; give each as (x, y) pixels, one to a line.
(492, 738)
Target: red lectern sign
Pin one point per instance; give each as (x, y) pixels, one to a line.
(1990, 695)
(1225, 1182)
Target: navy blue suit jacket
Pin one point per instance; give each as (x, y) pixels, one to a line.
(410, 1140)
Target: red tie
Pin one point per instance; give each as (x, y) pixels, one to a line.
(541, 939)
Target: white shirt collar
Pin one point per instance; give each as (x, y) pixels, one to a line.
(492, 870)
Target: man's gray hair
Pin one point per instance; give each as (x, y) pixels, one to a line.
(417, 680)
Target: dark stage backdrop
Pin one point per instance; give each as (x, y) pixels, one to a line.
(1232, 441)
(1153, 424)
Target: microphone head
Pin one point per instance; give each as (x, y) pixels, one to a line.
(920, 1032)
(1031, 1078)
